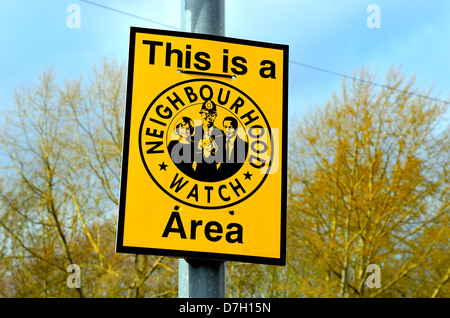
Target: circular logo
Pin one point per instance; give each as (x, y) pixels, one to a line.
(206, 143)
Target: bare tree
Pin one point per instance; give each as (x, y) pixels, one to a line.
(59, 195)
(368, 184)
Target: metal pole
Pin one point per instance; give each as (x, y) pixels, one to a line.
(203, 16)
(202, 278)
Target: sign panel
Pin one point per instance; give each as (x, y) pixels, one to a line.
(204, 162)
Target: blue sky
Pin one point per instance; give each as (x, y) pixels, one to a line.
(327, 34)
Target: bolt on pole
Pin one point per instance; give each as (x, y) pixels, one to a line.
(202, 278)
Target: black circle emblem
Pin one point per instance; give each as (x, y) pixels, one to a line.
(206, 143)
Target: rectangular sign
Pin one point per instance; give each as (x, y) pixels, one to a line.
(204, 167)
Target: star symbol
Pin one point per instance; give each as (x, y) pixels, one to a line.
(248, 176)
(162, 166)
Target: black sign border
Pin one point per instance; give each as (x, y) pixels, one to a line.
(120, 248)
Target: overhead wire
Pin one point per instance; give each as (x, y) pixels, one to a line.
(368, 82)
(130, 14)
(290, 61)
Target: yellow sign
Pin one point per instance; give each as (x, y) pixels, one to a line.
(205, 148)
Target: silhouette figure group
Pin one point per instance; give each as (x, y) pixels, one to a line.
(206, 152)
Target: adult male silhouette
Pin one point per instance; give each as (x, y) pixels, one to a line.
(236, 148)
(208, 141)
